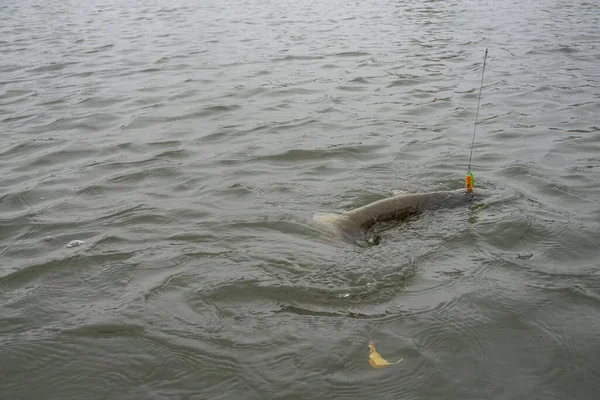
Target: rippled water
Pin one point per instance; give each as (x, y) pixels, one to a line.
(188, 144)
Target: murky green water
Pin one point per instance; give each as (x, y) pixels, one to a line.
(188, 145)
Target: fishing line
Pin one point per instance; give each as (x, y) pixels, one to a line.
(469, 176)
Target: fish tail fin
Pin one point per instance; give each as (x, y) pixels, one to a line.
(327, 218)
(337, 225)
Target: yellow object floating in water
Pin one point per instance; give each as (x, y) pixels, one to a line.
(376, 360)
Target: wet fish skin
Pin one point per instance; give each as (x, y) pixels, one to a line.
(395, 208)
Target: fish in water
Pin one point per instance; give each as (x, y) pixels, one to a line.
(400, 206)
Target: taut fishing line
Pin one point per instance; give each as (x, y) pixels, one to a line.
(469, 176)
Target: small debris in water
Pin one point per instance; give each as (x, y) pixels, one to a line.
(376, 360)
(75, 243)
(525, 256)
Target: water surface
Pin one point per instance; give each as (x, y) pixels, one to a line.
(188, 144)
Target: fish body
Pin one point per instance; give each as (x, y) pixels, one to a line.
(395, 208)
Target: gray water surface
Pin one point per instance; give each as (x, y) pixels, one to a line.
(188, 144)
